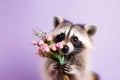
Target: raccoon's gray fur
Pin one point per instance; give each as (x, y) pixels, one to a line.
(77, 39)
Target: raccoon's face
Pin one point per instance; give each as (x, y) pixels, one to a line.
(77, 37)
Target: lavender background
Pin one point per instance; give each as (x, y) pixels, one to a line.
(19, 17)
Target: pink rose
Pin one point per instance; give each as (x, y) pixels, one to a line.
(49, 38)
(34, 43)
(53, 47)
(41, 42)
(60, 45)
(37, 52)
(44, 48)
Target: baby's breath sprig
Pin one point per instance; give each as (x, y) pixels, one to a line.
(39, 33)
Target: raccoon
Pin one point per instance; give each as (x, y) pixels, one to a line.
(78, 41)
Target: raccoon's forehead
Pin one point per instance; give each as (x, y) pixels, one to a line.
(58, 30)
(69, 30)
(77, 31)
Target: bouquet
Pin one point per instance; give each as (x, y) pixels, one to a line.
(47, 48)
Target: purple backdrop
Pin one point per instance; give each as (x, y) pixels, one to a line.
(19, 17)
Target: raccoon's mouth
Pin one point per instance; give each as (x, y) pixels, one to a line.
(65, 53)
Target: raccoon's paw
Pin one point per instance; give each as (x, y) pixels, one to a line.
(54, 66)
(66, 68)
(69, 69)
(57, 66)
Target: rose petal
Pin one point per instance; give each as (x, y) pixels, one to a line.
(41, 42)
(60, 45)
(37, 52)
(44, 48)
(49, 38)
(53, 47)
(34, 43)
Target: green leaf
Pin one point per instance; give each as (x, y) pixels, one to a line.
(54, 57)
(58, 58)
(62, 60)
(50, 42)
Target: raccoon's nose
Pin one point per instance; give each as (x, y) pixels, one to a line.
(65, 49)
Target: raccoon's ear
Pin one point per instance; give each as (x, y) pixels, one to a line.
(91, 29)
(57, 20)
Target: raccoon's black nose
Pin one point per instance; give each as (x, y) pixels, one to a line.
(65, 49)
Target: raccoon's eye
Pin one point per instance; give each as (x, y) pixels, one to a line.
(74, 38)
(60, 37)
(76, 43)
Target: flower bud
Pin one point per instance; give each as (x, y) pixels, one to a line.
(49, 38)
(41, 42)
(37, 52)
(44, 48)
(60, 45)
(53, 47)
(34, 43)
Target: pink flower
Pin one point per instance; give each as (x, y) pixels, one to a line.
(44, 48)
(41, 42)
(34, 43)
(60, 45)
(49, 38)
(53, 47)
(37, 52)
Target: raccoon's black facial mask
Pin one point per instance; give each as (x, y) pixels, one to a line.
(76, 43)
(59, 37)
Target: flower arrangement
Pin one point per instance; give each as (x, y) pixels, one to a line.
(49, 49)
